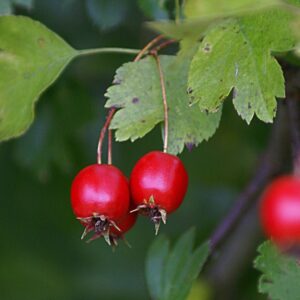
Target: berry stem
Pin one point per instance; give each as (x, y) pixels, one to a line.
(147, 47)
(111, 112)
(163, 45)
(109, 152)
(102, 135)
(165, 103)
(87, 52)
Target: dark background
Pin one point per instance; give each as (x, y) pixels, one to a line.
(41, 254)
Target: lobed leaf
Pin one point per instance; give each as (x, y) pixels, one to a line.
(197, 9)
(236, 57)
(281, 273)
(137, 92)
(201, 15)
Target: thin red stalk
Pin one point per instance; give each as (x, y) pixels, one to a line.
(164, 96)
(164, 45)
(109, 154)
(102, 134)
(112, 110)
(148, 46)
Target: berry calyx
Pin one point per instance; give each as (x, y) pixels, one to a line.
(280, 211)
(116, 231)
(158, 184)
(99, 198)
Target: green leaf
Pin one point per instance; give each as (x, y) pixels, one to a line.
(31, 58)
(137, 92)
(235, 56)
(177, 260)
(155, 264)
(107, 13)
(186, 29)
(189, 273)
(171, 272)
(293, 2)
(196, 8)
(281, 274)
(201, 14)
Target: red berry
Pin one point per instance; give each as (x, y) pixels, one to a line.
(124, 224)
(158, 184)
(100, 197)
(280, 210)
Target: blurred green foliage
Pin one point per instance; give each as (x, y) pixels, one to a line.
(41, 255)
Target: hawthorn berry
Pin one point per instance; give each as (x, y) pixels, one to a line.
(124, 225)
(158, 184)
(100, 197)
(280, 211)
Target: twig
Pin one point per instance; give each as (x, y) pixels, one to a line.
(165, 103)
(269, 166)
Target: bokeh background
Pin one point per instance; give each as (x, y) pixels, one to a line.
(41, 254)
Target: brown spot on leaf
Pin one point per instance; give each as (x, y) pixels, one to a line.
(207, 48)
(135, 100)
(189, 90)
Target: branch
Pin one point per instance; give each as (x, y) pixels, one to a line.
(268, 167)
(292, 75)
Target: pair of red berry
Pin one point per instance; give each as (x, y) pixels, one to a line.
(280, 211)
(107, 204)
